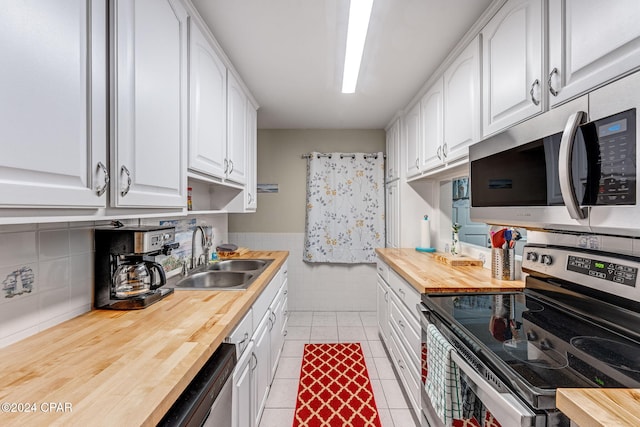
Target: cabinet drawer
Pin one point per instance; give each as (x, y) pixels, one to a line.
(383, 269)
(405, 293)
(408, 373)
(407, 328)
(242, 333)
(268, 294)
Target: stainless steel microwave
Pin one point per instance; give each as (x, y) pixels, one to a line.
(572, 168)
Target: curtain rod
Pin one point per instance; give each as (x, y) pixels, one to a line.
(343, 155)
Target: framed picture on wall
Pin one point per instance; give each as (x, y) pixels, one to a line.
(460, 188)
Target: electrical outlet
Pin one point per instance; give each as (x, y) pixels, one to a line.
(446, 248)
(589, 241)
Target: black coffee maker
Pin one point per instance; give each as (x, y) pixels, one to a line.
(126, 274)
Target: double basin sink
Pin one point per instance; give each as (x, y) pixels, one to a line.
(231, 274)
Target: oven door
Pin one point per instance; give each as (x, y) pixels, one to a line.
(483, 405)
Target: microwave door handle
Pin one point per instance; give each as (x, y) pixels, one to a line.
(565, 171)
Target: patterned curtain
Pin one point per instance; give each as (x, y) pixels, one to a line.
(345, 207)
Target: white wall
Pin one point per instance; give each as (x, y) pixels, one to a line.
(280, 219)
(317, 287)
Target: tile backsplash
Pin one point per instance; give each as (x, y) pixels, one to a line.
(47, 272)
(47, 276)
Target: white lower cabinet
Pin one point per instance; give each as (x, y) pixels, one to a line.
(242, 399)
(382, 298)
(399, 328)
(262, 369)
(279, 327)
(257, 362)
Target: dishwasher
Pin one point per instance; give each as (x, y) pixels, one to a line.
(207, 399)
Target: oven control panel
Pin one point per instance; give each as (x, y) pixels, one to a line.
(608, 272)
(601, 269)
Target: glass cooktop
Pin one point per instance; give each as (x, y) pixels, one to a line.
(544, 344)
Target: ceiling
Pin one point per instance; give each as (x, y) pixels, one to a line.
(290, 55)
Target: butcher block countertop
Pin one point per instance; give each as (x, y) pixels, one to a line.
(591, 407)
(121, 367)
(428, 275)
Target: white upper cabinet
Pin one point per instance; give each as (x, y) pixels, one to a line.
(512, 79)
(236, 161)
(392, 163)
(413, 140)
(590, 43)
(462, 103)
(208, 115)
(149, 103)
(53, 105)
(251, 188)
(431, 107)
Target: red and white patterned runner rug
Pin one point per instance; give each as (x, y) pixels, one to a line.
(334, 389)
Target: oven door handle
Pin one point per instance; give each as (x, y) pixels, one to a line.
(506, 409)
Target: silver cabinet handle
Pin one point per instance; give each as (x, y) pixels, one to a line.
(100, 190)
(124, 169)
(231, 167)
(255, 358)
(250, 198)
(445, 150)
(400, 291)
(564, 165)
(226, 165)
(533, 98)
(418, 163)
(551, 89)
(246, 337)
(286, 292)
(438, 152)
(401, 324)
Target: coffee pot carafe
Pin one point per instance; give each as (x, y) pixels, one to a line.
(135, 278)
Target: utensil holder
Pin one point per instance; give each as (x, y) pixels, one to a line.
(503, 264)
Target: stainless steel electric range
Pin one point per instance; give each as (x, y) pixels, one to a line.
(576, 324)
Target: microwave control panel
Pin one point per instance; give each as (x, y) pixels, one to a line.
(605, 270)
(616, 136)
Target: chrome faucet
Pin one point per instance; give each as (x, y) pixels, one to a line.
(203, 245)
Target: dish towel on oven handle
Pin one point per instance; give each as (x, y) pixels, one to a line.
(443, 382)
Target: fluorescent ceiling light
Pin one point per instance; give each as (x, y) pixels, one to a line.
(359, 14)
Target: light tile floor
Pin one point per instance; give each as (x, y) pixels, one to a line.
(316, 327)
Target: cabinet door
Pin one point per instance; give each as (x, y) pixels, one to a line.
(237, 126)
(53, 104)
(262, 371)
(392, 215)
(393, 152)
(413, 140)
(208, 115)
(149, 103)
(590, 43)
(432, 122)
(277, 336)
(462, 103)
(383, 308)
(251, 188)
(242, 400)
(512, 65)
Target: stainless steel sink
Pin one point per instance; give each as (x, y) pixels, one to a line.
(216, 280)
(231, 274)
(238, 265)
